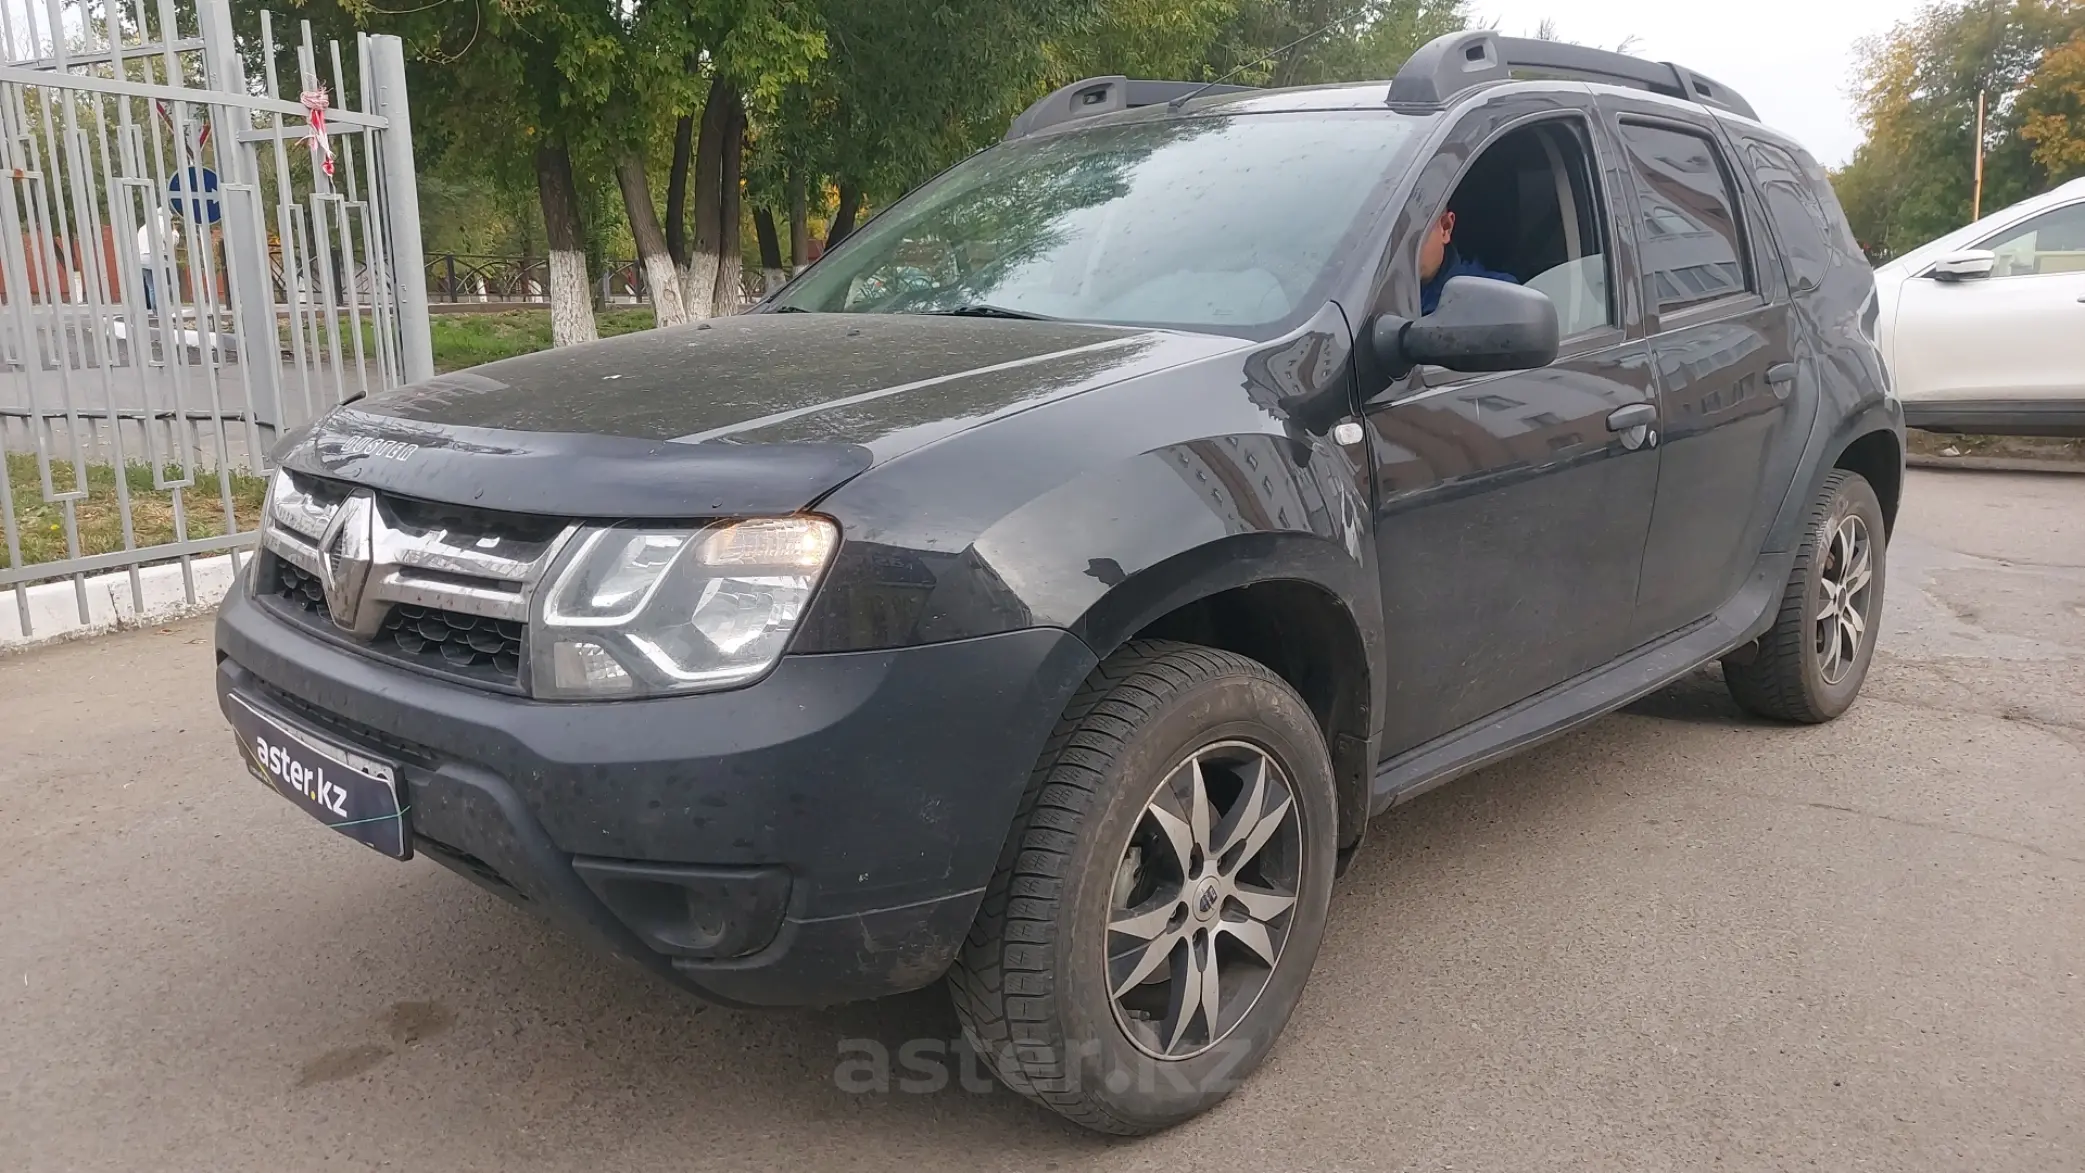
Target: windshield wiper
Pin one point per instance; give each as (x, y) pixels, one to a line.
(789, 309)
(990, 311)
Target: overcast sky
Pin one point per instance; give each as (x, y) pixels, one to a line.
(1793, 59)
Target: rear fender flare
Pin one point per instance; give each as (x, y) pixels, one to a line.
(1881, 415)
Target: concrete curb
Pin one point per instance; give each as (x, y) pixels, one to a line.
(54, 607)
(1995, 463)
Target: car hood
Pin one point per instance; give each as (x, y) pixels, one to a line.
(752, 414)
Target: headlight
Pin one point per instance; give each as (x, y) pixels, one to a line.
(648, 611)
(278, 486)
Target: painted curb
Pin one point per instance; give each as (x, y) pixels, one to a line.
(54, 607)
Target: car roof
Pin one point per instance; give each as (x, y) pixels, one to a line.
(1364, 96)
(1443, 74)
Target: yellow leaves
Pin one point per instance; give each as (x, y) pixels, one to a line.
(1887, 76)
(2052, 109)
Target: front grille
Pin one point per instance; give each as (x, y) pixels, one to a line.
(299, 587)
(470, 648)
(419, 517)
(464, 642)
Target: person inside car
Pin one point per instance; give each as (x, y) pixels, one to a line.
(1438, 261)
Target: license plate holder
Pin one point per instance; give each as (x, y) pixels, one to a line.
(349, 791)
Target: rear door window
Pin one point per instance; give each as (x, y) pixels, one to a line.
(1692, 246)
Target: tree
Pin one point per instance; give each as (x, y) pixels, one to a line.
(514, 88)
(815, 110)
(1913, 177)
(1311, 42)
(750, 51)
(574, 93)
(908, 88)
(723, 119)
(571, 297)
(2052, 111)
(1145, 38)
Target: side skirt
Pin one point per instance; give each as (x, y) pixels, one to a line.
(1584, 699)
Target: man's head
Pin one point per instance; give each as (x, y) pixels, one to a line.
(1433, 248)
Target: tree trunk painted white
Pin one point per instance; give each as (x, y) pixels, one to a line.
(669, 305)
(571, 299)
(730, 295)
(699, 283)
(772, 279)
(729, 290)
(659, 275)
(799, 224)
(677, 176)
(719, 133)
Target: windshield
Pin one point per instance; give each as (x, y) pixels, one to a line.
(1228, 224)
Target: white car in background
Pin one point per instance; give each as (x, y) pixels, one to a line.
(1984, 329)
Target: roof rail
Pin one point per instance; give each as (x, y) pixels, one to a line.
(1448, 65)
(1105, 95)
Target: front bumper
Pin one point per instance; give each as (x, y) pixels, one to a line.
(821, 836)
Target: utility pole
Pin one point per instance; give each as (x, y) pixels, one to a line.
(1976, 207)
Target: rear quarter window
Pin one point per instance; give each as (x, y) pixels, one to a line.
(1805, 214)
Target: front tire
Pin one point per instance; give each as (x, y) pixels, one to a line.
(1809, 667)
(1162, 894)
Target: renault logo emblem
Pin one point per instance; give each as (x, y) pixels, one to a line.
(346, 552)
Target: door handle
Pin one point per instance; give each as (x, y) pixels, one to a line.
(1636, 415)
(1779, 373)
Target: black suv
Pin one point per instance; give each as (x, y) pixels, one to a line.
(1045, 589)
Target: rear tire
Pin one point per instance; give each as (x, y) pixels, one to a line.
(1082, 982)
(1810, 665)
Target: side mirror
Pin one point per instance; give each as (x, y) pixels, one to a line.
(1479, 325)
(1968, 265)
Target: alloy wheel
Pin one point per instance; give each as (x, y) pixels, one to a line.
(1202, 900)
(1845, 593)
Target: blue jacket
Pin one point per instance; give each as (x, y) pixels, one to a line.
(1453, 265)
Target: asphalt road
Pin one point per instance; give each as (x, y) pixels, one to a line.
(1676, 940)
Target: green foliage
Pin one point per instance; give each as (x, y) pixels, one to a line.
(1256, 41)
(1913, 178)
(1145, 38)
(2052, 111)
(465, 211)
(467, 339)
(872, 95)
(908, 88)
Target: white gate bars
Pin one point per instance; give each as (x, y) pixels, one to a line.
(159, 327)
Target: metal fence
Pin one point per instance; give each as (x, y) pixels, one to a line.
(467, 278)
(188, 266)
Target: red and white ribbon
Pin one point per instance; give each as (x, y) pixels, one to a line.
(315, 101)
(199, 133)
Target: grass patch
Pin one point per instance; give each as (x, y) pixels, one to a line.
(100, 517)
(465, 340)
(460, 340)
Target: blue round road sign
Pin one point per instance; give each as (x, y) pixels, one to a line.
(194, 196)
